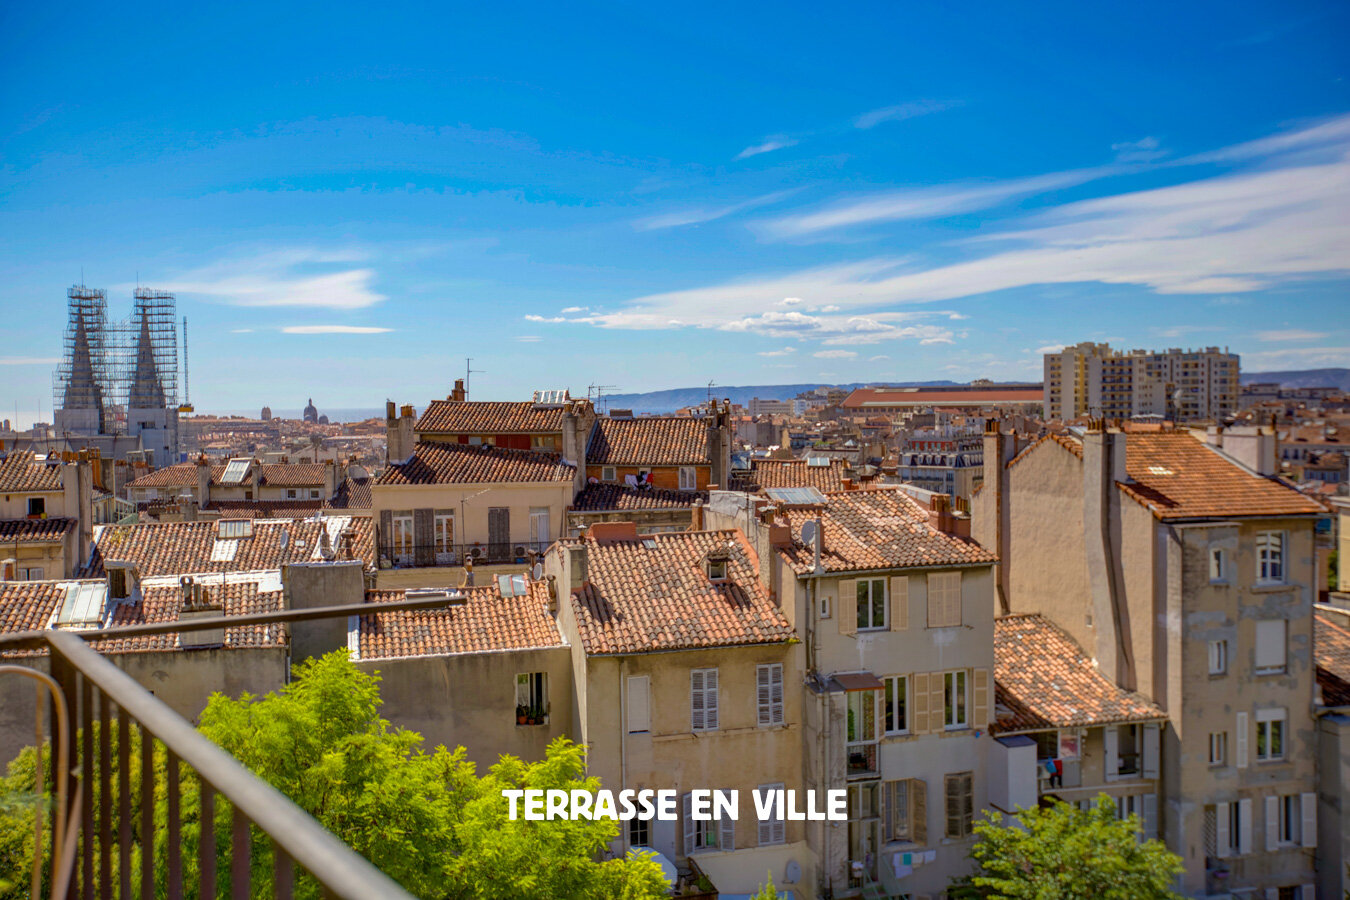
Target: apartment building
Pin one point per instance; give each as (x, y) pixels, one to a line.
(536, 424)
(1331, 643)
(1090, 379)
(241, 480)
(46, 515)
(1189, 577)
(674, 453)
(946, 460)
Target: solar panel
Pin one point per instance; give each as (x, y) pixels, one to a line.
(796, 496)
(83, 604)
(235, 471)
(550, 398)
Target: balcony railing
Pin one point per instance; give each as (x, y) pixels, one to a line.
(100, 720)
(404, 555)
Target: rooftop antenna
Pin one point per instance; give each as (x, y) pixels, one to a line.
(186, 405)
(711, 384)
(599, 391)
(469, 370)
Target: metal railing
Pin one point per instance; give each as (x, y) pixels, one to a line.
(426, 555)
(100, 720)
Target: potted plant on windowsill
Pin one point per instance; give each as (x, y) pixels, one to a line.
(522, 715)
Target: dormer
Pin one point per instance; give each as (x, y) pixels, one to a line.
(124, 580)
(716, 564)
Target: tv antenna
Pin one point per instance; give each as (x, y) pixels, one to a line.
(469, 370)
(599, 390)
(711, 384)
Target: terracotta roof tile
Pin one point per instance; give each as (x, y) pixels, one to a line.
(20, 472)
(486, 622)
(596, 497)
(264, 509)
(776, 473)
(878, 528)
(1044, 680)
(1179, 477)
(489, 417)
(649, 441)
(654, 594)
(28, 605)
(172, 548)
(177, 475)
(162, 603)
(1331, 648)
(293, 474)
(273, 474)
(352, 493)
(36, 531)
(438, 463)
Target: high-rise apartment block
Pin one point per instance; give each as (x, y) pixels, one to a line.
(1181, 385)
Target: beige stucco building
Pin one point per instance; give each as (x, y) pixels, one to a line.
(46, 515)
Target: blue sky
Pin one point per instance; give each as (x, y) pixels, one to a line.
(348, 202)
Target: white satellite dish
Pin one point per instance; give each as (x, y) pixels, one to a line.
(808, 535)
(285, 539)
(537, 573)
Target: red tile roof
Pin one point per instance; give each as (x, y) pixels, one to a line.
(20, 473)
(649, 441)
(173, 548)
(878, 528)
(654, 594)
(273, 474)
(28, 605)
(489, 417)
(439, 463)
(161, 604)
(597, 497)
(1331, 649)
(1178, 477)
(352, 493)
(294, 474)
(36, 531)
(264, 509)
(177, 475)
(775, 473)
(485, 623)
(1068, 443)
(1044, 680)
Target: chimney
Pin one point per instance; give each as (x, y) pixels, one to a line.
(578, 418)
(576, 565)
(696, 515)
(77, 484)
(612, 532)
(398, 431)
(1104, 466)
(196, 602)
(255, 473)
(330, 479)
(313, 584)
(458, 395)
(203, 482)
(718, 441)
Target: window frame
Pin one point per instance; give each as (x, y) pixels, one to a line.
(689, 483)
(965, 817)
(37, 506)
(774, 828)
(609, 474)
(956, 706)
(868, 586)
(1270, 553)
(768, 710)
(891, 698)
(1218, 650)
(1218, 748)
(1288, 820)
(1271, 669)
(699, 676)
(534, 694)
(1266, 730)
(1218, 565)
(638, 826)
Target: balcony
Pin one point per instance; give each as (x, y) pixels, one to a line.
(404, 555)
(92, 842)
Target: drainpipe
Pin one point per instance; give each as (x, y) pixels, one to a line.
(623, 743)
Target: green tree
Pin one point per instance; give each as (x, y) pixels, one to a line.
(766, 891)
(1062, 852)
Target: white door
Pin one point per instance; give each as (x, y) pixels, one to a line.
(540, 533)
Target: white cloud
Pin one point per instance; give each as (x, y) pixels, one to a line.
(1140, 151)
(786, 351)
(29, 360)
(877, 358)
(528, 338)
(700, 214)
(1180, 331)
(551, 319)
(901, 112)
(283, 278)
(957, 317)
(776, 142)
(790, 301)
(834, 354)
(574, 309)
(1049, 348)
(1290, 334)
(1301, 358)
(334, 329)
(241, 331)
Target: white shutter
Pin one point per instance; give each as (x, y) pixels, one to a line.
(899, 602)
(1223, 842)
(1151, 751)
(696, 716)
(1270, 644)
(710, 699)
(762, 694)
(1150, 816)
(765, 836)
(688, 824)
(1111, 738)
(727, 828)
(776, 694)
(1308, 803)
(639, 703)
(1245, 826)
(1241, 729)
(1272, 823)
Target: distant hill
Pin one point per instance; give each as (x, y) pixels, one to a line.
(1337, 378)
(653, 402)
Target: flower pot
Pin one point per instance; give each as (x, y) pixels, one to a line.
(521, 720)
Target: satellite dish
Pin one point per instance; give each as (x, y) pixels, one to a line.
(793, 873)
(808, 536)
(537, 573)
(285, 539)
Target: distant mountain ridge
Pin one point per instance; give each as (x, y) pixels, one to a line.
(667, 401)
(1302, 378)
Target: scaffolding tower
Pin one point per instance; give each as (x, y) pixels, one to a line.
(83, 380)
(149, 352)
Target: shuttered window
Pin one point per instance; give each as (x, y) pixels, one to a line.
(904, 810)
(960, 799)
(896, 704)
(772, 830)
(769, 694)
(899, 602)
(703, 699)
(1271, 642)
(639, 703)
(944, 599)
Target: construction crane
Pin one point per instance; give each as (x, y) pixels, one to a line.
(186, 405)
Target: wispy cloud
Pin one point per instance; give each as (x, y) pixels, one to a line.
(835, 354)
(531, 317)
(770, 144)
(334, 329)
(1180, 331)
(293, 277)
(528, 338)
(575, 309)
(700, 214)
(1141, 151)
(786, 351)
(29, 360)
(1290, 334)
(901, 112)
(241, 331)
(1299, 358)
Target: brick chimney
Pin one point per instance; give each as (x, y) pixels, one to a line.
(458, 394)
(203, 482)
(398, 429)
(578, 419)
(197, 601)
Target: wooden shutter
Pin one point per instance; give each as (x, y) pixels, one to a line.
(1244, 826)
(1308, 803)
(982, 692)
(899, 602)
(1151, 735)
(952, 794)
(937, 705)
(1272, 823)
(1223, 841)
(1150, 816)
(710, 699)
(424, 537)
(762, 691)
(386, 538)
(688, 824)
(919, 703)
(639, 703)
(918, 811)
(696, 694)
(1111, 764)
(1241, 729)
(944, 599)
(726, 829)
(847, 607)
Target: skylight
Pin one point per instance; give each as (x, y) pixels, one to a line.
(550, 398)
(235, 471)
(234, 528)
(818, 461)
(83, 605)
(512, 585)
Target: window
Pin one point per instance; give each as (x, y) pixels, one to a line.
(1218, 564)
(1128, 739)
(32, 573)
(772, 830)
(37, 506)
(944, 599)
(1218, 657)
(960, 804)
(314, 493)
(717, 568)
(861, 732)
(639, 833)
(1288, 813)
(703, 699)
(769, 694)
(607, 473)
(290, 494)
(904, 811)
(234, 528)
(639, 704)
(532, 698)
(1270, 734)
(688, 478)
(1270, 557)
(715, 831)
(1218, 748)
(954, 699)
(403, 536)
(540, 530)
(896, 704)
(824, 604)
(871, 603)
(1270, 646)
(443, 526)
